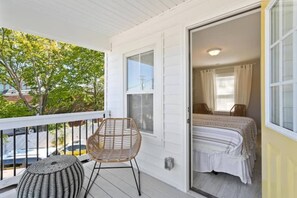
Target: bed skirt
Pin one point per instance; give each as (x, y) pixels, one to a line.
(221, 162)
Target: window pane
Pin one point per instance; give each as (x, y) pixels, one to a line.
(287, 15)
(141, 72)
(274, 64)
(140, 108)
(288, 107)
(224, 102)
(274, 116)
(288, 58)
(147, 70)
(224, 92)
(133, 73)
(275, 23)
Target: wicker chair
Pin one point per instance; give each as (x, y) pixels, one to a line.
(201, 108)
(238, 110)
(116, 140)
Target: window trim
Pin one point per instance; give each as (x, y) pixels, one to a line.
(157, 91)
(288, 133)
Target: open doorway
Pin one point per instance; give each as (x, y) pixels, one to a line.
(226, 117)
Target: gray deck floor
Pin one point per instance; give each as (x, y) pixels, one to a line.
(119, 183)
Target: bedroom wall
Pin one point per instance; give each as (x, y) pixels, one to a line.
(253, 110)
(168, 32)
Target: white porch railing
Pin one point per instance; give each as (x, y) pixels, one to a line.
(25, 140)
(10, 123)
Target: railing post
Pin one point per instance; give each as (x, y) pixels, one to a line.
(1, 144)
(86, 130)
(26, 147)
(79, 139)
(56, 139)
(14, 152)
(92, 126)
(64, 138)
(47, 140)
(37, 142)
(72, 130)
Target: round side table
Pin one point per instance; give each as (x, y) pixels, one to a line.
(56, 176)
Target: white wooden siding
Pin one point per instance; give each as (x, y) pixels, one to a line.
(170, 30)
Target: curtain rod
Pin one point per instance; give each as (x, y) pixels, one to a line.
(225, 67)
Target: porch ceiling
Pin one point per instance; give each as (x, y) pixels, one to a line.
(88, 23)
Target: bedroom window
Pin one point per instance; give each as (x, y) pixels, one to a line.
(140, 90)
(281, 64)
(224, 91)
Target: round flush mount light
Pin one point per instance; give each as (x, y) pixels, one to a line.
(214, 51)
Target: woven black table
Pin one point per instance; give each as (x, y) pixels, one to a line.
(56, 176)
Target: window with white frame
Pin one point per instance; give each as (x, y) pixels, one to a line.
(281, 65)
(140, 90)
(224, 97)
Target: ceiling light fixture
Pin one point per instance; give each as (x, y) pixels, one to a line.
(214, 51)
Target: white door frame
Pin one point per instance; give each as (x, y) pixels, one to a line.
(188, 29)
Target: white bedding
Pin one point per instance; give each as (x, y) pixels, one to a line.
(224, 144)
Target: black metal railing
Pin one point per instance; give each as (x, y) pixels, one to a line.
(22, 142)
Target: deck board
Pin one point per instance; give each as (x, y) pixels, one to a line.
(119, 183)
(116, 183)
(152, 187)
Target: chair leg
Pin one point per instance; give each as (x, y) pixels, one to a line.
(90, 180)
(138, 174)
(98, 169)
(137, 184)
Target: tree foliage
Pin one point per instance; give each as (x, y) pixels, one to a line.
(11, 109)
(62, 77)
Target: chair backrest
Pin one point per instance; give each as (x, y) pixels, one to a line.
(119, 136)
(201, 108)
(238, 110)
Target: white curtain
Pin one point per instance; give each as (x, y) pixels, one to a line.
(209, 87)
(243, 84)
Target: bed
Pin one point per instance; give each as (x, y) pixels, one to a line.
(224, 144)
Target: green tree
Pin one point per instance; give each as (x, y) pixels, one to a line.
(62, 77)
(11, 109)
(12, 60)
(90, 78)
